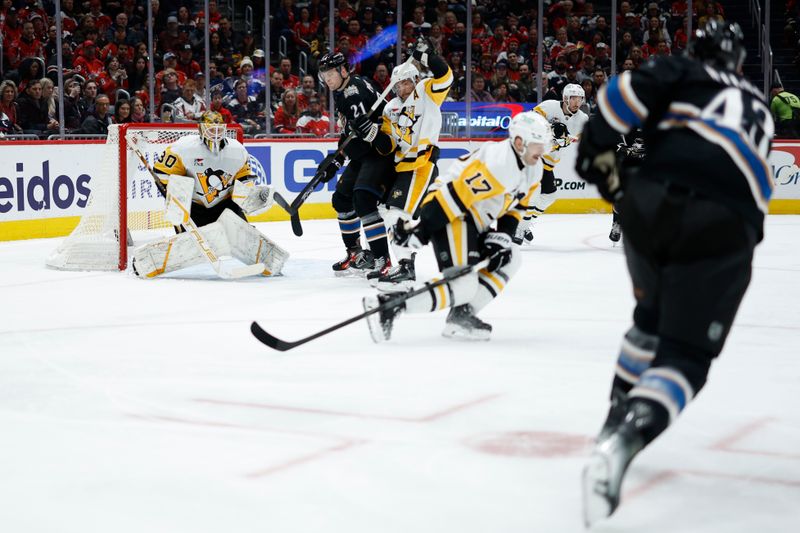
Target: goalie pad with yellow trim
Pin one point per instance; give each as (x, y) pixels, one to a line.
(179, 199)
(229, 236)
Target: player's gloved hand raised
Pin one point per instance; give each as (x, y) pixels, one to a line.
(560, 133)
(497, 248)
(598, 166)
(420, 51)
(365, 128)
(330, 166)
(411, 237)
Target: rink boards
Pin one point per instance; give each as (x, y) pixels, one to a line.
(44, 186)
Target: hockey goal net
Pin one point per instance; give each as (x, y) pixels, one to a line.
(124, 199)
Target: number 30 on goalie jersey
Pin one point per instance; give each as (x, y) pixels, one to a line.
(214, 173)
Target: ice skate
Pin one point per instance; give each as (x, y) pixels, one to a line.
(380, 324)
(398, 278)
(345, 266)
(616, 233)
(603, 475)
(382, 267)
(462, 324)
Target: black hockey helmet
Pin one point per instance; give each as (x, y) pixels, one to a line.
(720, 44)
(332, 60)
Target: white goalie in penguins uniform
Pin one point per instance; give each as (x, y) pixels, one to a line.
(567, 121)
(209, 178)
(469, 214)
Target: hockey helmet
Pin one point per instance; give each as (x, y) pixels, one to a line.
(332, 61)
(532, 128)
(720, 44)
(405, 71)
(573, 89)
(212, 129)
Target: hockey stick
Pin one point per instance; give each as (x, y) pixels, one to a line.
(206, 251)
(277, 344)
(294, 217)
(317, 179)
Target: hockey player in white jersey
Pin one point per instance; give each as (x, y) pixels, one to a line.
(208, 177)
(410, 130)
(469, 214)
(567, 121)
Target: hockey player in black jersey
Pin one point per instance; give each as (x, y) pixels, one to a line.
(630, 153)
(691, 219)
(368, 176)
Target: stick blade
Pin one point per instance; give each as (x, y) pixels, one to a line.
(297, 228)
(269, 340)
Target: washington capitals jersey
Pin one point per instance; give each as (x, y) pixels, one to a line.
(553, 111)
(213, 173)
(354, 100)
(486, 185)
(414, 124)
(705, 129)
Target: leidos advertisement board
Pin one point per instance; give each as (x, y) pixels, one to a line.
(44, 188)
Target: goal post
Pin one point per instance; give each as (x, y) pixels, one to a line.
(124, 197)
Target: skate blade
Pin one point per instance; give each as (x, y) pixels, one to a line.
(460, 334)
(401, 286)
(596, 503)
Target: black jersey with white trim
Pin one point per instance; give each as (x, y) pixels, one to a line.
(354, 100)
(706, 130)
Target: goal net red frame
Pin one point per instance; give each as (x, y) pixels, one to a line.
(124, 198)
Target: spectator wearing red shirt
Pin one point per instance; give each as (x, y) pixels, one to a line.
(26, 46)
(486, 66)
(30, 9)
(101, 21)
(8, 108)
(314, 120)
(170, 39)
(479, 29)
(113, 78)
(186, 64)
(290, 81)
(497, 42)
(346, 12)
(559, 12)
(213, 14)
(306, 92)
(216, 105)
(170, 62)
(357, 39)
(287, 114)
(381, 76)
(88, 64)
(305, 30)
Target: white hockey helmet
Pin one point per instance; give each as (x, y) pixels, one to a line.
(532, 128)
(406, 71)
(573, 89)
(212, 129)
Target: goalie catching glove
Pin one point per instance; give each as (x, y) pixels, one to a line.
(598, 166)
(252, 198)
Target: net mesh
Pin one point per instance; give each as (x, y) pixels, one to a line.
(95, 243)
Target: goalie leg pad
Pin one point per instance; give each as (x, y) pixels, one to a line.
(250, 246)
(180, 251)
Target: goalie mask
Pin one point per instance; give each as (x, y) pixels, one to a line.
(212, 130)
(573, 90)
(402, 73)
(530, 134)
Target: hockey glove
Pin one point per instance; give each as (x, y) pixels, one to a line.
(598, 166)
(420, 52)
(410, 237)
(497, 248)
(561, 134)
(365, 128)
(330, 166)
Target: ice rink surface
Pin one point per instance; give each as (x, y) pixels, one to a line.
(132, 406)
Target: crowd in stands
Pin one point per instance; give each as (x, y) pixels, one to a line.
(106, 62)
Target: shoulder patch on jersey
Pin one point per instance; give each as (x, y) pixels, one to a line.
(350, 90)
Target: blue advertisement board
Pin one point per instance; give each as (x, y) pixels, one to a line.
(488, 119)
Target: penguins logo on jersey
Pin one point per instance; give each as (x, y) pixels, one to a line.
(214, 182)
(404, 126)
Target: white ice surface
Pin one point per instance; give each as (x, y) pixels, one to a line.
(146, 406)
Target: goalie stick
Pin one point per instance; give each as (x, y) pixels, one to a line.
(294, 212)
(190, 227)
(277, 344)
